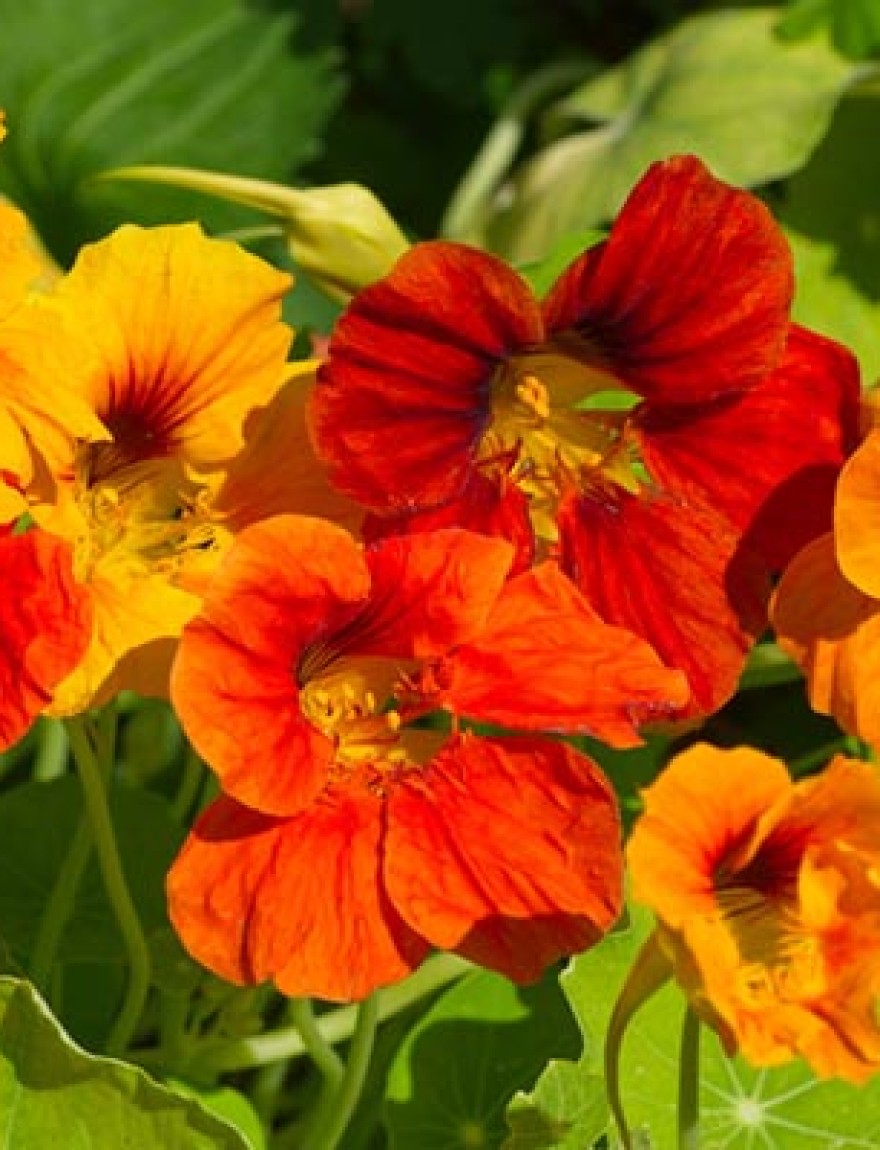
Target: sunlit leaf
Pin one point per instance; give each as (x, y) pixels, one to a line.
(721, 85)
(53, 1094)
(741, 1108)
(854, 24)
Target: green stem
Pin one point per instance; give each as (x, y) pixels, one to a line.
(95, 795)
(60, 906)
(320, 1050)
(334, 1027)
(689, 1083)
(50, 761)
(465, 214)
(843, 745)
(334, 1113)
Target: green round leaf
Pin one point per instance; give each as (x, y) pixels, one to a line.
(459, 1066)
(53, 1094)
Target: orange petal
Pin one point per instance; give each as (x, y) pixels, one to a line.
(44, 627)
(430, 591)
(857, 517)
(507, 851)
(286, 584)
(299, 900)
(832, 631)
(703, 805)
(608, 682)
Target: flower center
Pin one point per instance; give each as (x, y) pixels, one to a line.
(351, 700)
(136, 439)
(538, 415)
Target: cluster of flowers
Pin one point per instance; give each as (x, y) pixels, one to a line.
(477, 513)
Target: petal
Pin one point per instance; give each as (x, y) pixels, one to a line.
(138, 617)
(489, 504)
(704, 805)
(277, 472)
(185, 336)
(546, 661)
(689, 296)
(286, 584)
(832, 631)
(299, 900)
(507, 851)
(44, 626)
(672, 571)
(403, 400)
(429, 592)
(857, 517)
(767, 459)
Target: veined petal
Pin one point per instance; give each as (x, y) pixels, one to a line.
(403, 399)
(674, 572)
(490, 504)
(44, 626)
(186, 340)
(299, 900)
(857, 517)
(768, 459)
(546, 661)
(832, 631)
(506, 851)
(689, 297)
(285, 584)
(430, 592)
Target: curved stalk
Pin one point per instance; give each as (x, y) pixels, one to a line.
(334, 1113)
(94, 784)
(689, 1083)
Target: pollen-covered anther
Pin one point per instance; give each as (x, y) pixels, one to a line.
(532, 393)
(344, 709)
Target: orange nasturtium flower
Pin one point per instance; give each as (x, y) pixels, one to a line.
(174, 346)
(767, 896)
(826, 610)
(450, 389)
(349, 841)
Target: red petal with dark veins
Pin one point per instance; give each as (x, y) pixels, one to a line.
(489, 505)
(672, 571)
(545, 661)
(299, 900)
(403, 399)
(689, 296)
(506, 851)
(768, 459)
(45, 626)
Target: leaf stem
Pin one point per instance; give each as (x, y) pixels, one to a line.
(768, 666)
(320, 1050)
(334, 1027)
(689, 1083)
(94, 784)
(335, 1110)
(59, 908)
(465, 214)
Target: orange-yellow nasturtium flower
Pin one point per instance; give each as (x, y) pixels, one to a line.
(767, 897)
(349, 840)
(174, 344)
(826, 610)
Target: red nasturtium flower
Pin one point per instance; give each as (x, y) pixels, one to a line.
(448, 379)
(349, 842)
(826, 610)
(767, 895)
